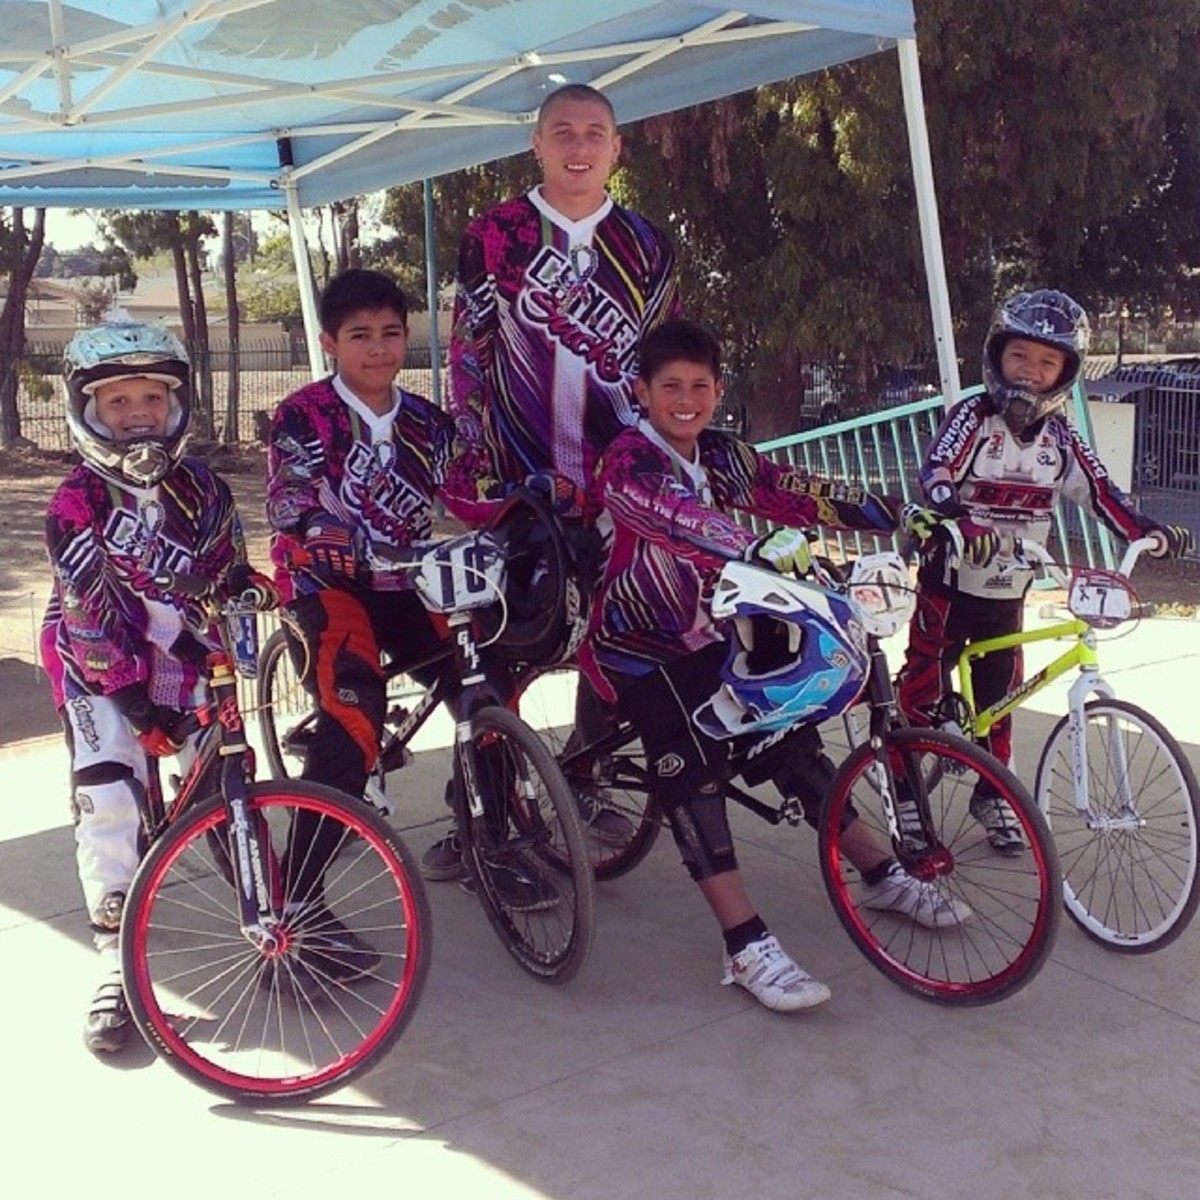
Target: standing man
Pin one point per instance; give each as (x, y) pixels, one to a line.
(555, 290)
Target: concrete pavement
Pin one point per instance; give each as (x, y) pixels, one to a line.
(643, 1077)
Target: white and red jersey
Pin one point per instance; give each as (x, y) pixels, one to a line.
(547, 321)
(1013, 485)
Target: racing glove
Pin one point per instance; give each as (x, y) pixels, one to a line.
(785, 551)
(558, 492)
(329, 544)
(253, 590)
(155, 724)
(1174, 541)
(966, 540)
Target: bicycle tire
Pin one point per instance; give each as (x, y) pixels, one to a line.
(287, 712)
(1132, 889)
(516, 848)
(545, 701)
(289, 1024)
(1012, 902)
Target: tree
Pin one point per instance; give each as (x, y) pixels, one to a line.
(794, 208)
(20, 248)
(233, 324)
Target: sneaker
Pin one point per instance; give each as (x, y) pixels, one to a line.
(106, 1029)
(519, 888)
(443, 860)
(769, 975)
(900, 892)
(1003, 828)
(326, 946)
(600, 820)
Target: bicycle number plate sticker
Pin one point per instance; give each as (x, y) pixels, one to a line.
(463, 573)
(1101, 598)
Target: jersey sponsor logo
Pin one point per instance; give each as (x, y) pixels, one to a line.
(956, 435)
(1011, 494)
(580, 317)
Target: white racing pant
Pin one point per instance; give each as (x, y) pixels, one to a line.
(105, 747)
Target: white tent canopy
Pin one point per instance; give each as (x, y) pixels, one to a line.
(285, 104)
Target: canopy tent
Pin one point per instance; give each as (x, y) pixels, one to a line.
(286, 104)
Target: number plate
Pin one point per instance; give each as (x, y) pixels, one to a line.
(463, 573)
(1101, 598)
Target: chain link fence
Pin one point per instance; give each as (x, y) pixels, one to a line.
(266, 374)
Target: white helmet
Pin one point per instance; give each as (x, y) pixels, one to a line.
(122, 351)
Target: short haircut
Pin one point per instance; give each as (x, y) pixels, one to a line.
(675, 341)
(583, 92)
(359, 290)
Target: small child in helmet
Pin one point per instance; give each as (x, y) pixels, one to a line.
(998, 465)
(666, 486)
(125, 655)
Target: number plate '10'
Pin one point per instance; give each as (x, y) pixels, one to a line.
(463, 573)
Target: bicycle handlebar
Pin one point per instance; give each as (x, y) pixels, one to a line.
(1036, 557)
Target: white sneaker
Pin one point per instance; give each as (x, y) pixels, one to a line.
(900, 892)
(769, 975)
(1003, 828)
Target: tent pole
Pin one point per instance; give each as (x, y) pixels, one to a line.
(304, 279)
(927, 215)
(431, 294)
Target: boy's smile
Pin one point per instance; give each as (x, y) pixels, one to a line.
(133, 407)
(680, 401)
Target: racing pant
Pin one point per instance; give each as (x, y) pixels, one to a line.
(943, 624)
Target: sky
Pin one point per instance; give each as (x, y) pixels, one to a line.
(68, 230)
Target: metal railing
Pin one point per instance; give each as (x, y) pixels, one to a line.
(883, 452)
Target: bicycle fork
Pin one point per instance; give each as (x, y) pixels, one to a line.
(249, 859)
(1089, 682)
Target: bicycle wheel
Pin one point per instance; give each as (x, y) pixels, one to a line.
(286, 711)
(330, 997)
(615, 784)
(1011, 908)
(1129, 867)
(515, 848)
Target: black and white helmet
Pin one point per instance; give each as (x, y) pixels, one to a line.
(125, 350)
(1045, 316)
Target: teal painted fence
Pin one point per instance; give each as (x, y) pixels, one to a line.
(883, 451)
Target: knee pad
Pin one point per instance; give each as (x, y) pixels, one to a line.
(700, 828)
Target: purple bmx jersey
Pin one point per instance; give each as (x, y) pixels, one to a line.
(547, 321)
(108, 623)
(671, 531)
(324, 457)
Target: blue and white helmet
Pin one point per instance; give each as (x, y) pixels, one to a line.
(1045, 316)
(796, 653)
(124, 350)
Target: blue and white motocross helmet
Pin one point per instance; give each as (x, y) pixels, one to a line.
(796, 653)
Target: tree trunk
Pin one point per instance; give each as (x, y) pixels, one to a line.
(12, 318)
(204, 374)
(232, 375)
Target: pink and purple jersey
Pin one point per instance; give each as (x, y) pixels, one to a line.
(670, 533)
(547, 322)
(379, 475)
(109, 624)
(1014, 486)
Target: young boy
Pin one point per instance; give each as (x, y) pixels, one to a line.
(666, 486)
(997, 465)
(123, 654)
(354, 466)
(555, 288)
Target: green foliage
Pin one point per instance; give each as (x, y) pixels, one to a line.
(268, 299)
